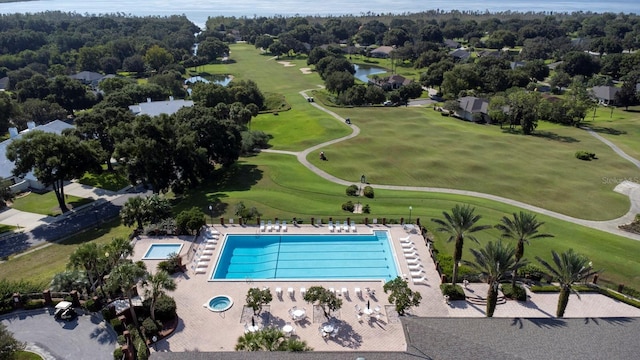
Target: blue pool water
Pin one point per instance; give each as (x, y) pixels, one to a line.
(161, 251)
(307, 257)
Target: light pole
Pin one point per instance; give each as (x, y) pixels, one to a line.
(211, 211)
(410, 208)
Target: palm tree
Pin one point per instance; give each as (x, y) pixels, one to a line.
(125, 276)
(523, 227)
(570, 267)
(118, 249)
(460, 224)
(133, 211)
(87, 258)
(493, 262)
(158, 284)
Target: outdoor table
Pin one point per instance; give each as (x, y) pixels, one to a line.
(368, 311)
(409, 228)
(328, 328)
(287, 329)
(298, 314)
(253, 328)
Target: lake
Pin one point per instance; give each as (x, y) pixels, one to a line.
(198, 11)
(363, 72)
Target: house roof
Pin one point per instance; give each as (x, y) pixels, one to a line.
(4, 83)
(87, 76)
(451, 44)
(386, 50)
(6, 166)
(605, 92)
(460, 54)
(473, 104)
(155, 108)
(398, 79)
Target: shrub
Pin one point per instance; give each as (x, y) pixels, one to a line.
(150, 327)
(585, 155)
(117, 326)
(366, 209)
(368, 192)
(348, 206)
(107, 314)
(171, 265)
(545, 288)
(516, 293)
(142, 352)
(34, 304)
(531, 271)
(165, 308)
(118, 354)
(352, 190)
(455, 292)
(121, 340)
(92, 305)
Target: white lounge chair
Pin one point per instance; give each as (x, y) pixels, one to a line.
(290, 292)
(207, 252)
(202, 264)
(210, 246)
(262, 225)
(330, 226)
(284, 226)
(358, 292)
(345, 292)
(375, 221)
(338, 226)
(276, 227)
(405, 239)
(409, 250)
(414, 261)
(408, 245)
(417, 273)
(420, 280)
(303, 291)
(411, 255)
(201, 271)
(353, 227)
(345, 226)
(332, 290)
(415, 267)
(269, 225)
(279, 291)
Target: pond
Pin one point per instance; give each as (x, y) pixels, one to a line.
(219, 79)
(363, 72)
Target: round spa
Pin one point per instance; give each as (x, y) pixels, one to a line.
(220, 303)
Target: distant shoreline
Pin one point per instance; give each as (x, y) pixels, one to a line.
(14, 1)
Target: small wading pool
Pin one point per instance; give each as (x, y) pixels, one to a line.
(219, 303)
(161, 251)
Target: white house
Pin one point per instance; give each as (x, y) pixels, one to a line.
(6, 166)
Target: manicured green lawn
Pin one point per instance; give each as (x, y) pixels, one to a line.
(112, 181)
(46, 204)
(26, 355)
(41, 265)
(280, 187)
(621, 127)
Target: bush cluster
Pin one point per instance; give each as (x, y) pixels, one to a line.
(165, 308)
(117, 325)
(516, 293)
(352, 190)
(368, 192)
(348, 206)
(585, 155)
(150, 327)
(455, 292)
(366, 209)
(531, 271)
(34, 304)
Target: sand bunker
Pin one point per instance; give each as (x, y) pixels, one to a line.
(286, 63)
(306, 71)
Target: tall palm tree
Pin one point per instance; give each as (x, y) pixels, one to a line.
(460, 224)
(125, 276)
(158, 283)
(570, 267)
(493, 262)
(118, 249)
(134, 212)
(87, 258)
(523, 227)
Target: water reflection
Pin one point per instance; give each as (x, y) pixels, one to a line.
(363, 72)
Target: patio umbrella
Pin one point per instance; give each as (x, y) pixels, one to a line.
(368, 304)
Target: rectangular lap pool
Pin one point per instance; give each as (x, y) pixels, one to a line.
(161, 251)
(337, 257)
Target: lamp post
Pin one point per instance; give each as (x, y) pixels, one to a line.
(211, 211)
(410, 209)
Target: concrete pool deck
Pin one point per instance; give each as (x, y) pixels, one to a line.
(204, 331)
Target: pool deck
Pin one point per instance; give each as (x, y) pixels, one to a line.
(203, 331)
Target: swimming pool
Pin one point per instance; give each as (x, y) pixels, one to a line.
(161, 251)
(353, 256)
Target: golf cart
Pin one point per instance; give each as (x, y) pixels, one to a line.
(64, 311)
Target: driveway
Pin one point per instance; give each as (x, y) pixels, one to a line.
(87, 337)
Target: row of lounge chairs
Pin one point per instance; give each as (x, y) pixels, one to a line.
(273, 227)
(205, 251)
(345, 226)
(343, 291)
(418, 275)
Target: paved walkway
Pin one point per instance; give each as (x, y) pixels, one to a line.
(632, 190)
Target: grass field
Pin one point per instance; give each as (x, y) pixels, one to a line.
(46, 204)
(278, 186)
(112, 181)
(5, 228)
(41, 265)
